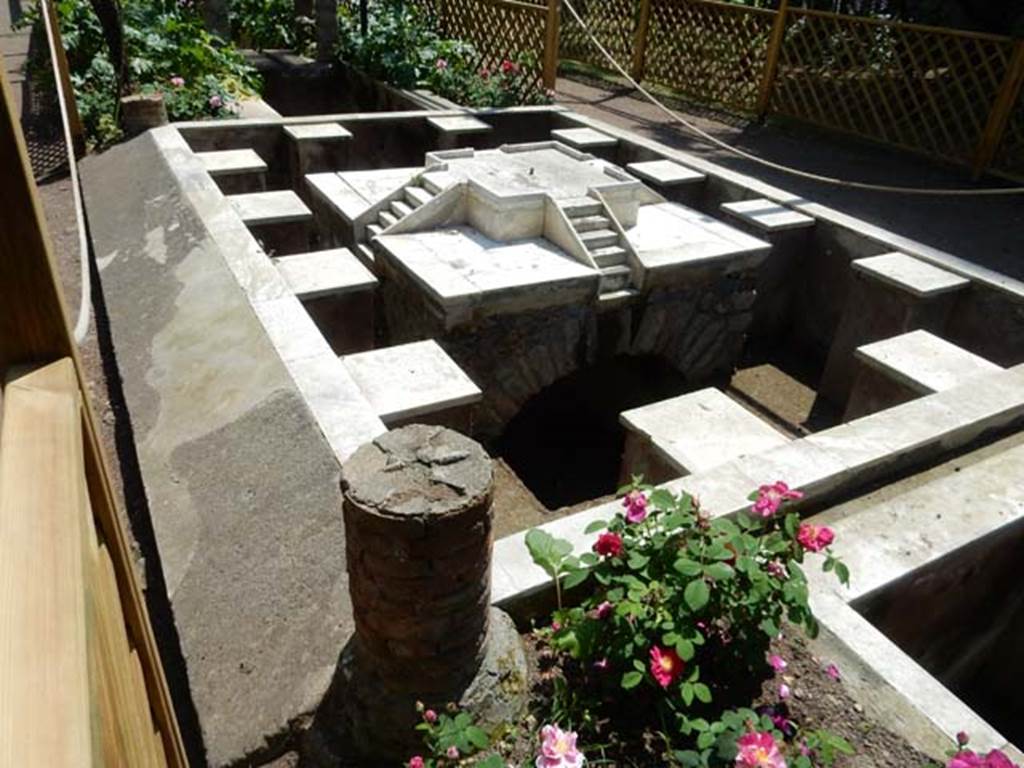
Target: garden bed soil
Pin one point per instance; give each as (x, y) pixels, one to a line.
(817, 702)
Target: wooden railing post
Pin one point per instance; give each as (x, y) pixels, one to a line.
(771, 65)
(1002, 108)
(643, 24)
(552, 30)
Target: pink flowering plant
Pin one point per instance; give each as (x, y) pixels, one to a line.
(451, 738)
(963, 756)
(681, 611)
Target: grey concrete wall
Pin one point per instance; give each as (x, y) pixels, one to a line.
(242, 489)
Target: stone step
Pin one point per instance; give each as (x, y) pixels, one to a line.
(599, 238)
(386, 219)
(231, 162)
(590, 223)
(581, 206)
(438, 181)
(615, 279)
(333, 272)
(616, 299)
(611, 256)
(400, 209)
(417, 196)
(261, 209)
(374, 229)
(365, 254)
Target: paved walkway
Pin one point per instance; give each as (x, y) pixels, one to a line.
(13, 46)
(986, 231)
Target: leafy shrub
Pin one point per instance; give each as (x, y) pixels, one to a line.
(401, 48)
(168, 51)
(681, 616)
(269, 24)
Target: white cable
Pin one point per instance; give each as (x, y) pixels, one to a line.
(768, 163)
(84, 301)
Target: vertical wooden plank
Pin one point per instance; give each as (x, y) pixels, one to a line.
(1002, 108)
(45, 714)
(643, 24)
(34, 326)
(771, 65)
(552, 30)
(64, 77)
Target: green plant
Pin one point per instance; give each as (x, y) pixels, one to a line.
(168, 51)
(451, 737)
(683, 607)
(269, 24)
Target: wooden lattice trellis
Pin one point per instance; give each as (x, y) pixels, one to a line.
(1011, 154)
(710, 51)
(915, 87)
(613, 22)
(499, 30)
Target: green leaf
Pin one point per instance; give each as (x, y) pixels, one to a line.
(638, 561)
(685, 649)
(770, 628)
(493, 761)
(702, 692)
(576, 577)
(687, 567)
(697, 594)
(705, 740)
(686, 691)
(719, 571)
(843, 573)
(663, 500)
(477, 737)
(594, 527)
(631, 679)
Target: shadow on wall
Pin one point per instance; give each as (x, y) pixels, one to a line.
(566, 443)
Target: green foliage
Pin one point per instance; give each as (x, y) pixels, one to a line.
(454, 730)
(161, 43)
(707, 594)
(401, 48)
(270, 24)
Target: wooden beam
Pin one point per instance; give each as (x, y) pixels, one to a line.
(1002, 109)
(552, 31)
(771, 66)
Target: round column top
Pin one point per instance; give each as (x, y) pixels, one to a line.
(418, 471)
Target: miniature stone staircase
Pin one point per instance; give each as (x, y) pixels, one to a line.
(417, 192)
(604, 243)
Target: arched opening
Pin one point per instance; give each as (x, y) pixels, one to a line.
(566, 443)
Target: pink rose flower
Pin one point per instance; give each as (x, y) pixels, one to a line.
(962, 738)
(509, 67)
(558, 749)
(777, 662)
(759, 750)
(452, 753)
(442, 64)
(833, 671)
(997, 759)
(776, 569)
(216, 102)
(608, 545)
(604, 610)
(966, 759)
(636, 506)
(416, 762)
(815, 538)
(177, 81)
(771, 497)
(430, 716)
(784, 692)
(485, 73)
(665, 666)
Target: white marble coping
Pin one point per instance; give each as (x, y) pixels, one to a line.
(909, 274)
(227, 162)
(584, 138)
(318, 132)
(768, 215)
(702, 429)
(666, 173)
(817, 465)
(411, 380)
(332, 272)
(923, 362)
(265, 208)
(459, 124)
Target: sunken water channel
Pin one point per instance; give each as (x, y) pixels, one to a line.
(961, 617)
(566, 443)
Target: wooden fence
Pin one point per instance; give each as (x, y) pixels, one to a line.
(82, 683)
(946, 93)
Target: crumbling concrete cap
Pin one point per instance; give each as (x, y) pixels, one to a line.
(419, 471)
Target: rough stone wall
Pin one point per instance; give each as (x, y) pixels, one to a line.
(699, 330)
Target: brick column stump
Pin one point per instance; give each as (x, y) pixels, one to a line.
(418, 545)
